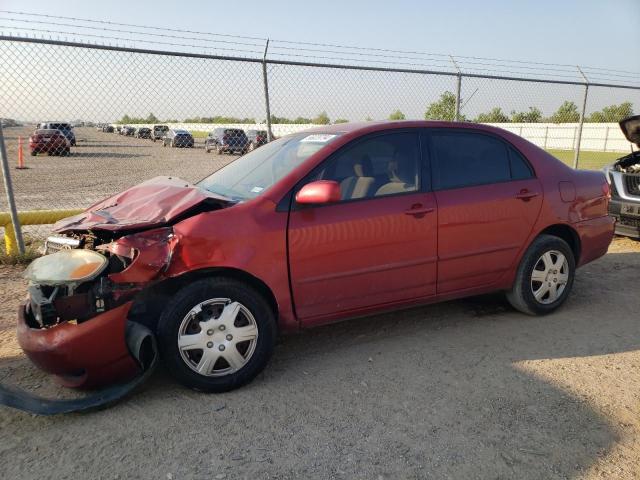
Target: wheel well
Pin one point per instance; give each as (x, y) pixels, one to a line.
(568, 234)
(149, 303)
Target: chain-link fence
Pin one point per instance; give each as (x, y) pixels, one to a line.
(111, 98)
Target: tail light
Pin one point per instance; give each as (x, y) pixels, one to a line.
(606, 189)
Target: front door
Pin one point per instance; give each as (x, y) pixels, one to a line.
(378, 245)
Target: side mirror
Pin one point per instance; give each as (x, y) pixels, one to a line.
(319, 192)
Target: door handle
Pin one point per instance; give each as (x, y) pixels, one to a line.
(419, 210)
(526, 195)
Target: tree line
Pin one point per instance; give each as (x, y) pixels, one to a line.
(442, 109)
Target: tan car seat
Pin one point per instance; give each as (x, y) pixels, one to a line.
(360, 185)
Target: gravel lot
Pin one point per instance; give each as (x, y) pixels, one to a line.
(464, 389)
(100, 165)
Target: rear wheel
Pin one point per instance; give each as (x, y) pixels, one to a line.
(216, 334)
(544, 278)
(218, 149)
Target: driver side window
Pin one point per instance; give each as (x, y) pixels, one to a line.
(382, 165)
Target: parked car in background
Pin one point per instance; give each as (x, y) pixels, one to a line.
(50, 141)
(108, 128)
(118, 129)
(143, 132)
(334, 222)
(257, 138)
(65, 128)
(158, 131)
(178, 138)
(229, 140)
(624, 178)
(128, 131)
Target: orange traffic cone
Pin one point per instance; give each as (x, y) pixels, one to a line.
(20, 155)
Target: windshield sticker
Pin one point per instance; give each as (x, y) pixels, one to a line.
(256, 189)
(317, 138)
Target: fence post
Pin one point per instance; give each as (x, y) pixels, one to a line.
(266, 91)
(576, 158)
(8, 188)
(606, 138)
(456, 115)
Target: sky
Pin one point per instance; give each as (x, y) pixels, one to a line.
(103, 86)
(599, 33)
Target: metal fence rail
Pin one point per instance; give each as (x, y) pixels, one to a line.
(68, 81)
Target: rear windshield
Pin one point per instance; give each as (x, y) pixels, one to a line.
(60, 126)
(46, 132)
(163, 128)
(234, 131)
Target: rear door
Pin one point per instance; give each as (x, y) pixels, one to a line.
(378, 245)
(488, 201)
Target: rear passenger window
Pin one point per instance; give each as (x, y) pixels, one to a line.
(382, 165)
(464, 159)
(520, 169)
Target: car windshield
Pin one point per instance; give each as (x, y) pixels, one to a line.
(253, 173)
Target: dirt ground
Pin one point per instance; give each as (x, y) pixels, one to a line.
(100, 165)
(464, 389)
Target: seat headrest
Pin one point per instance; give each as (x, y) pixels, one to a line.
(363, 168)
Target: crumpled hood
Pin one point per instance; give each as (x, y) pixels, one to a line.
(152, 203)
(631, 128)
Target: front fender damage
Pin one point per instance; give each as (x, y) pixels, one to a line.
(100, 347)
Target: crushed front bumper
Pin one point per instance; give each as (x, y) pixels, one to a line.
(107, 349)
(86, 355)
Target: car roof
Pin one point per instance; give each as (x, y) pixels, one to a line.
(361, 128)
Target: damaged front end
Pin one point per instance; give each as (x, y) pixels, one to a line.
(624, 178)
(75, 324)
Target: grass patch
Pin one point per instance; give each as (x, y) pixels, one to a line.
(588, 160)
(198, 134)
(31, 252)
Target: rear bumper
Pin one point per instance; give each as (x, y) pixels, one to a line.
(595, 237)
(86, 355)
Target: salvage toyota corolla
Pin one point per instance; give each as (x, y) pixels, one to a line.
(315, 227)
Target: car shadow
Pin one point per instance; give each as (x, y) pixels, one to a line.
(447, 390)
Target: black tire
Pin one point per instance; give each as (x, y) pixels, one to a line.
(521, 295)
(34, 153)
(191, 295)
(219, 150)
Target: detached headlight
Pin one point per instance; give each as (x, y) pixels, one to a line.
(66, 267)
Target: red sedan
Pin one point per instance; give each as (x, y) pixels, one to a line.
(49, 141)
(315, 227)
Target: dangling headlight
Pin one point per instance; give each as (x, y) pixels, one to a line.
(66, 267)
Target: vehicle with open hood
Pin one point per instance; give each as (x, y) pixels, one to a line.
(315, 227)
(624, 178)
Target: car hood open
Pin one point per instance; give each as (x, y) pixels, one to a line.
(156, 202)
(631, 128)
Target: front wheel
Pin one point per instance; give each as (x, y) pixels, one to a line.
(544, 278)
(216, 334)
